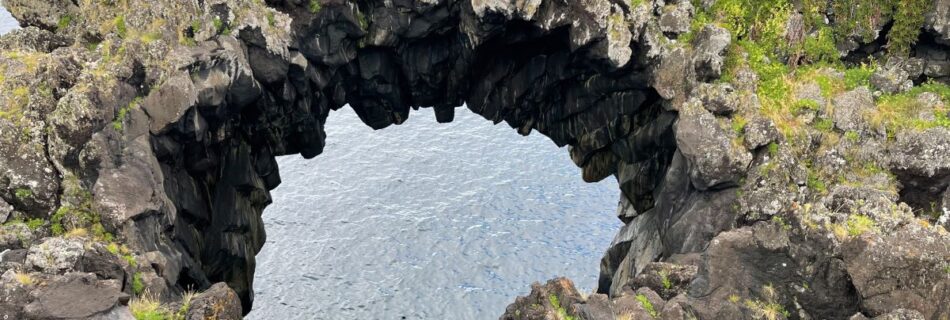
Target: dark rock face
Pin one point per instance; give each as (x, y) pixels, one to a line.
(145, 147)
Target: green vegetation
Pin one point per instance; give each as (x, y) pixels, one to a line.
(815, 183)
(364, 24)
(123, 113)
(824, 125)
(738, 124)
(635, 3)
(220, 26)
(908, 17)
(35, 224)
(852, 136)
(783, 61)
(120, 27)
(271, 20)
(148, 307)
(858, 76)
(769, 308)
(315, 6)
(23, 193)
(76, 212)
(734, 298)
(781, 223)
(665, 279)
(137, 285)
(561, 312)
(64, 22)
(113, 248)
(773, 149)
(23, 278)
(647, 305)
(902, 111)
(859, 224)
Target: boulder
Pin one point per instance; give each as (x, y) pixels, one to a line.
(715, 161)
(218, 302)
(76, 296)
(905, 269)
(55, 255)
(675, 17)
(667, 279)
(720, 99)
(850, 107)
(897, 74)
(760, 132)
(710, 50)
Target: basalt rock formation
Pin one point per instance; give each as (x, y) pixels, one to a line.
(138, 143)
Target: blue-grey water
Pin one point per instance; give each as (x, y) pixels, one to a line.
(425, 221)
(6, 21)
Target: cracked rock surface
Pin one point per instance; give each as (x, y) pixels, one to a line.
(138, 145)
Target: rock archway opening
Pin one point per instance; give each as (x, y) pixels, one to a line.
(218, 155)
(459, 216)
(155, 129)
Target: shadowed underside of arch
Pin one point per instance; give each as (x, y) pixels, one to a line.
(163, 121)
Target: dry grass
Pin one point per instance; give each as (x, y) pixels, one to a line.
(147, 307)
(77, 233)
(23, 278)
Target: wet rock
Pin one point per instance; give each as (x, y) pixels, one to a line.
(218, 302)
(55, 255)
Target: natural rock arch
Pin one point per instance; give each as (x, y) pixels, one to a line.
(162, 123)
(526, 75)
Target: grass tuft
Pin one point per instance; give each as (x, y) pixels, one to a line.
(647, 305)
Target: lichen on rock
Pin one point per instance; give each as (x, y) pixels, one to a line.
(788, 152)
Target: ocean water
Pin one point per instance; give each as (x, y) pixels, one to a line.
(425, 221)
(6, 21)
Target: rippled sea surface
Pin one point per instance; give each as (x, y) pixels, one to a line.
(425, 221)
